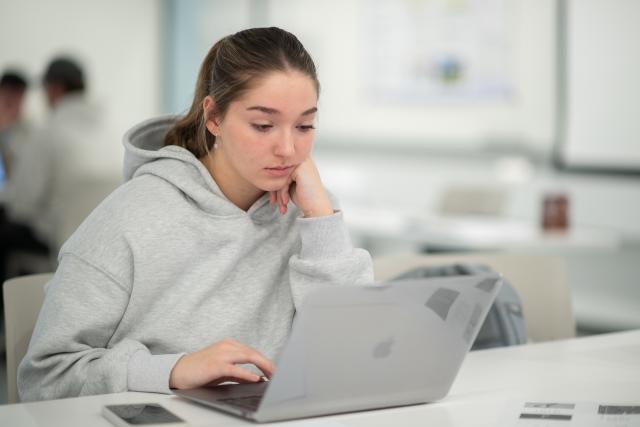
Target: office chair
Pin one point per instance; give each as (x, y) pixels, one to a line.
(540, 282)
(23, 297)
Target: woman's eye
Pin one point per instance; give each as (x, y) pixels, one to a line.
(261, 128)
(306, 128)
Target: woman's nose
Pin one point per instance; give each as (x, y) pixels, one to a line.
(285, 145)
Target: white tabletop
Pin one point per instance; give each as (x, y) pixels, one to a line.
(473, 233)
(601, 369)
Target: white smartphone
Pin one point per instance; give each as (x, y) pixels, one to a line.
(141, 414)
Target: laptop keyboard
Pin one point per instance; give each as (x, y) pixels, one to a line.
(250, 403)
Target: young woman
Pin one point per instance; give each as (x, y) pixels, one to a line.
(190, 273)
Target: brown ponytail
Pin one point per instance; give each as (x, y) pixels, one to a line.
(228, 70)
(189, 131)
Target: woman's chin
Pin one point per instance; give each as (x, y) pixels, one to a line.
(272, 184)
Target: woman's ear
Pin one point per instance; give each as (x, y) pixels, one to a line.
(208, 108)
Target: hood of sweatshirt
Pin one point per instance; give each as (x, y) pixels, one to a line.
(146, 154)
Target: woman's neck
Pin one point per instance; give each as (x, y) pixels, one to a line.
(240, 192)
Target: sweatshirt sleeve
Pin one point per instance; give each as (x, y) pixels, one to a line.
(70, 353)
(327, 257)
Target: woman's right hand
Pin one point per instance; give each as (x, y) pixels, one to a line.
(216, 364)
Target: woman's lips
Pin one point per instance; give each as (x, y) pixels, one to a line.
(279, 170)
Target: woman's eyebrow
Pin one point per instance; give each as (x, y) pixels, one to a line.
(268, 110)
(309, 111)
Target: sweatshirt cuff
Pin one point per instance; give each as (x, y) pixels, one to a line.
(324, 237)
(150, 372)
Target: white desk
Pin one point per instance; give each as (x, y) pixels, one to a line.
(470, 233)
(603, 368)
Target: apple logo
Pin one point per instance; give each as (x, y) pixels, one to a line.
(383, 348)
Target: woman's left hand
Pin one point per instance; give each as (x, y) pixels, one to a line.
(305, 190)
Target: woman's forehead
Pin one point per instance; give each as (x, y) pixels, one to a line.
(284, 91)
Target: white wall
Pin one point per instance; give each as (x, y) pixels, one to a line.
(118, 41)
(193, 27)
(602, 94)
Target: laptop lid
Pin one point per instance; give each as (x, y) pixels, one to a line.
(362, 347)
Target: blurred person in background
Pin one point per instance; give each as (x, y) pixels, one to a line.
(50, 170)
(14, 138)
(13, 87)
(13, 134)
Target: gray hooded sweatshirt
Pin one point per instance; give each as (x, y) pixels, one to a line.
(167, 265)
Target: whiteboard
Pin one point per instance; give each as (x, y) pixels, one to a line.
(601, 85)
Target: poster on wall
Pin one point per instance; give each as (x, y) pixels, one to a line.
(438, 51)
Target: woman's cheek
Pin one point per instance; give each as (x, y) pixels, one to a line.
(305, 147)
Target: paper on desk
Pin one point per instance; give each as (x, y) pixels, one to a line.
(570, 414)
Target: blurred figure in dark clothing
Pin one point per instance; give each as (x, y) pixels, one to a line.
(50, 173)
(13, 87)
(15, 134)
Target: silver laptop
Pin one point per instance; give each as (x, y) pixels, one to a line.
(355, 348)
